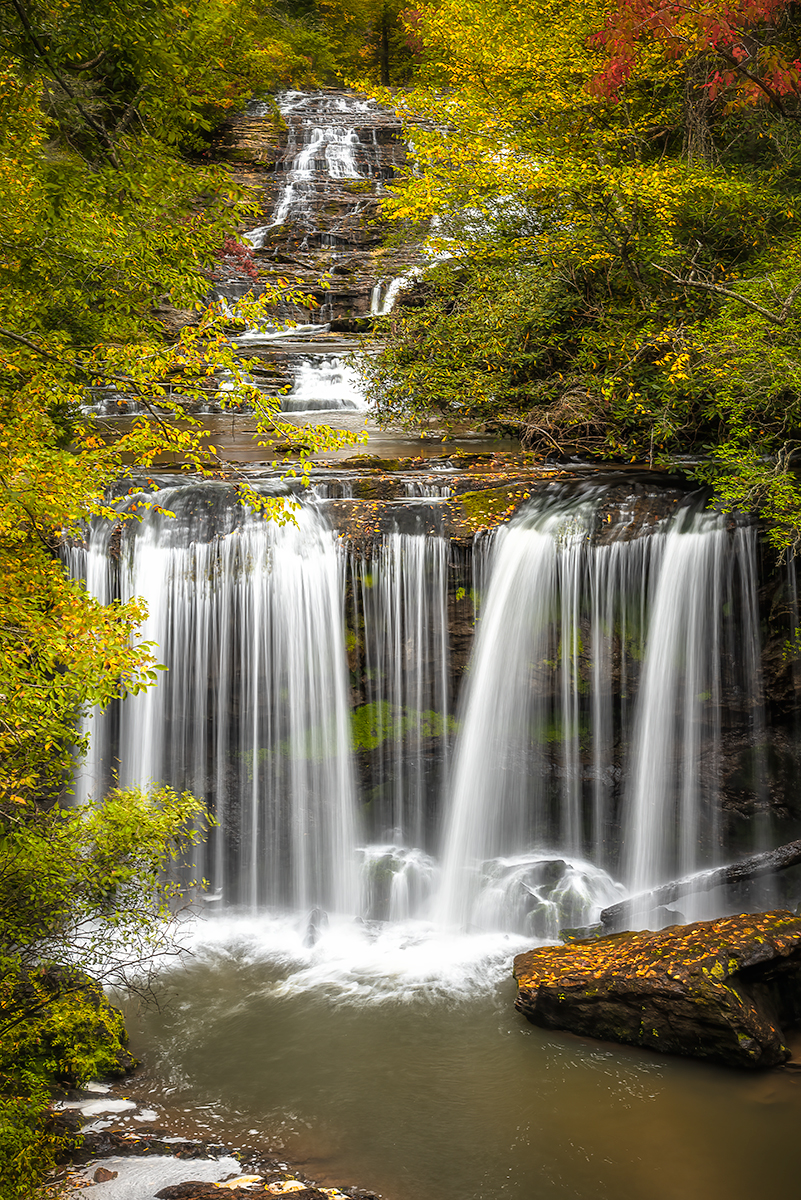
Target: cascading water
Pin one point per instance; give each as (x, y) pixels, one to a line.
(401, 600)
(679, 709)
(93, 564)
(535, 763)
(324, 383)
(607, 663)
(252, 712)
(694, 655)
(324, 145)
(321, 671)
(518, 782)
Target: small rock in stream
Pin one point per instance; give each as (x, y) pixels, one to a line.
(103, 1175)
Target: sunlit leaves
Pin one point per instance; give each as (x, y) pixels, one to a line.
(623, 234)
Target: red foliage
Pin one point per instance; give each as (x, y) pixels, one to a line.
(741, 40)
(413, 41)
(238, 256)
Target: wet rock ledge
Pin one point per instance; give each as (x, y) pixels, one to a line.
(722, 990)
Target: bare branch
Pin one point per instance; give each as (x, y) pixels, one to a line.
(717, 289)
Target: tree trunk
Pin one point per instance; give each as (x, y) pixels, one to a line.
(618, 915)
(384, 46)
(698, 144)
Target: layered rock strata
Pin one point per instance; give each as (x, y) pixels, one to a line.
(318, 162)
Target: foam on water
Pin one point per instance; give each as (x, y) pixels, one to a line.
(138, 1178)
(356, 962)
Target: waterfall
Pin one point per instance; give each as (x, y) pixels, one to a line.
(679, 709)
(377, 298)
(671, 822)
(323, 383)
(401, 599)
(93, 564)
(400, 283)
(540, 685)
(252, 711)
(324, 145)
(312, 697)
(566, 625)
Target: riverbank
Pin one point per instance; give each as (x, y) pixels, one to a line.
(135, 1150)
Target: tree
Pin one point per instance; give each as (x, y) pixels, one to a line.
(99, 220)
(747, 51)
(82, 889)
(369, 39)
(652, 268)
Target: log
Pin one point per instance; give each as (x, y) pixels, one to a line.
(618, 915)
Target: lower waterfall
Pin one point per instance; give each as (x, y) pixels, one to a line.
(313, 699)
(540, 685)
(671, 822)
(252, 712)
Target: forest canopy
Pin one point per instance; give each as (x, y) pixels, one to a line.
(612, 192)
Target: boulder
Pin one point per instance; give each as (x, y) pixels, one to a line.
(722, 990)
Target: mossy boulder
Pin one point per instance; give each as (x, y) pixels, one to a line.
(722, 990)
(68, 1031)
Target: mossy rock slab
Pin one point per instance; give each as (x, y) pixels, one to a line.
(722, 990)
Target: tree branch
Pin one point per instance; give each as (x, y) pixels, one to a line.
(755, 867)
(62, 83)
(717, 289)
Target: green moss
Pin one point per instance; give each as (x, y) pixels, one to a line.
(84, 1037)
(29, 1146)
(72, 1032)
(490, 506)
(369, 462)
(66, 1034)
(373, 724)
(553, 732)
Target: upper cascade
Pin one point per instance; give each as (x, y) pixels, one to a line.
(333, 142)
(320, 162)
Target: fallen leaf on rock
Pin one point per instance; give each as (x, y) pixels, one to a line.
(240, 1181)
(281, 1186)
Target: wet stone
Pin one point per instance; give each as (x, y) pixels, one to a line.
(723, 990)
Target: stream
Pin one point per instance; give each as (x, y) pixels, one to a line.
(400, 1065)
